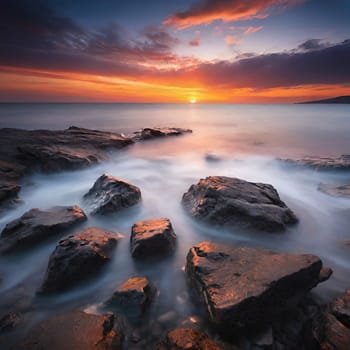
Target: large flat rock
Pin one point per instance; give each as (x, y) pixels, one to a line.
(110, 194)
(75, 330)
(248, 286)
(78, 257)
(227, 201)
(37, 225)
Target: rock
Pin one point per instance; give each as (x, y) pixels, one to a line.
(340, 308)
(133, 297)
(152, 238)
(230, 201)
(336, 190)
(75, 330)
(321, 163)
(248, 286)
(337, 335)
(9, 321)
(36, 225)
(52, 150)
(152, 133)
(187, 338)
(110, 194)
(9, 193)
(212, 158)
(78, 257)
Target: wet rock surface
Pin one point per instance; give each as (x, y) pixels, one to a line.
(152, 238)
(133, 297)
(340, 308)
(110, 194)
(228, 201)
(336, 336)
(336, 190)
(243, 287)
(187, 338)
(24, 151)
(75, 330)
(78, 257)
(321, 163)
(153, 133)
(36, 225)
(8, 194)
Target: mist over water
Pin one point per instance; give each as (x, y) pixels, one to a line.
(248, 139)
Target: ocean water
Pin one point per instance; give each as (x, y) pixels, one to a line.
(247, 139)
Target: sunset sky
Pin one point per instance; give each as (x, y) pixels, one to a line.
(253, 51)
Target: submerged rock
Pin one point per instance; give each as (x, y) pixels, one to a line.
(322, 163)
(133, 297)
(36, 225)
(110, 194)
(152, 133)
(187, 338)
(79, 257)
(248, 286)
(152, 238)
(336, 190)
(230, 201)
(76, 330)
(340, 308)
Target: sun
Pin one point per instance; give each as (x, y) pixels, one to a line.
(193, 101)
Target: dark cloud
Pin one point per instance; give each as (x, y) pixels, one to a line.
(33, 35)
(313, 44)
(329, 65)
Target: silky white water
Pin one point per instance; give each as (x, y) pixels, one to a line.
(247, 139)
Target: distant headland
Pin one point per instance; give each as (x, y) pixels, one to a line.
(339, 99)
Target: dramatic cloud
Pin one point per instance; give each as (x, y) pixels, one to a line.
(329, 65)
(32, 35)
(208, 11)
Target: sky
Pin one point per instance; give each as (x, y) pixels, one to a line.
(211, 51)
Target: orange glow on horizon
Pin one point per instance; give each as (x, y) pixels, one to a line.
(33, 85)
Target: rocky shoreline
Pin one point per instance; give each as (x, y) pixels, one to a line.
(247, 298)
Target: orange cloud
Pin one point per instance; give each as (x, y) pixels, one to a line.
(250, 30)
(208, 11)
(232, 40)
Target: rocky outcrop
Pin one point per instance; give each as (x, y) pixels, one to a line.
(36, 225)
(22, 151)
(336, 190)
(227, 201)
(336, 335)
(110, 194)
(153, 133)
(321, 163)
(243, 287)
(340, 308)
(76, 330)
(78, 258)
(187, 338)
(152, 238)
(133, 297)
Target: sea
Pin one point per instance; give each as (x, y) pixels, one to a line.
(246, 141)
